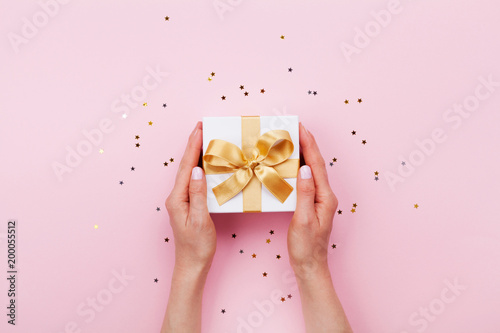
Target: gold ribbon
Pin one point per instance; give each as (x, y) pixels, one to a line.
(265, 157)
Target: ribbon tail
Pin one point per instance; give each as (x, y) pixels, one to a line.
(273, 182)
(232, 186)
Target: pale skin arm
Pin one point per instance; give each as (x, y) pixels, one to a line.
(308, 237)
(195, 241)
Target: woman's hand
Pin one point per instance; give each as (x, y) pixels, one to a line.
(308, 237)
(193, 228)
(311, 226)
(195, 241)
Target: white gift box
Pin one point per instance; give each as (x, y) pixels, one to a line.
(230, 129)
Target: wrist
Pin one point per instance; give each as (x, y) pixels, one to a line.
(311, 272)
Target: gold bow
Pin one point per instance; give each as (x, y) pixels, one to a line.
(267, 160)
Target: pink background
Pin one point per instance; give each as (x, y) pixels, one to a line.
(391, 260)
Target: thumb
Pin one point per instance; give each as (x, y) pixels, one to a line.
(306, 192)
(197, 193)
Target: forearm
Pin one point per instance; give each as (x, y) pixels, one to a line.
(184, 304)
(321, 306)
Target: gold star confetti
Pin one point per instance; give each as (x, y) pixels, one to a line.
(212, 74)
(165, 163)
(282, 299)
(137, 137)
(150, 123)
(209, 79)
(415, 205)
(268, 241)
(223, 98)
(334, 159)
(353, 210)
(137, 145)
(278, 257)
(144, 104)
(262, 91)
(282, 37)
(264, 274)
(101, 151)
(167, 18)
(254, 255)
(96, 226)
(242, 87)
(355, 205)
(346, 101)
(363, 142)
(171, 159)
(360, 100)
(376, 173)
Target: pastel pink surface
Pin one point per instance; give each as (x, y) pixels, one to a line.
(391, 259)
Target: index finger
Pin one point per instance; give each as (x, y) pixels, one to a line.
(188, 162)
(314, 159)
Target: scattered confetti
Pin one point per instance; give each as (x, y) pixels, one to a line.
(223, 98)
(121, 182)
(363, 142)
(171, 159)
(101, 151)
(334, 246)
(360, 100)
(233, 235)
(315, 93)
(150, 123)
(124, 116)
(403, 163)
(242, 87)
(137, 137)
(353, 210)
(167, 239)
(415, 205)
(282, 37)
(209, 79)
(157, 209)
(223, 311)
(96, 226)
(212, 74)
(353, 132)
(339, 212)
(289, 296)
(167, 18)
(241, 251)
(254, 255)
(264, 274)
(346, 101)
(137, 145)
(282, 299)
(271, 232)
(246, 93)
(156, 280)
(144, 104)
(262, 91)
(278, 256)
(164, 105)
(132, 168)
(268, 241)
(290, 69)
(165, 163)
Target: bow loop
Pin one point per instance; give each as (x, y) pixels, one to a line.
(272, 149)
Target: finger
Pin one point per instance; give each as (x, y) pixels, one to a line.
(198, 195)
(189, 160)
(306, 191)
(313, 158)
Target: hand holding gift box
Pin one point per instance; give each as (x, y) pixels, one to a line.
(243, 153)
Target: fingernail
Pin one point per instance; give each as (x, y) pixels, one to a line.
(197, 173)
(305, 172)
(193, 133)
(305, 129)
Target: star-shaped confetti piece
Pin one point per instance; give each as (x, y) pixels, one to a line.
(331, 163)
(223, 98)
(353, 132)
(282, 299)
(223, 311)
(156, 280)
(254, 255)
(241, 251)
(171, 159)
(101, 151)
(289, 296)
(262, 91)
(137, 137)
(360, 100)
(137, 145)
(363, 142)
(124, 116)
(158, 209)
(290, 69)
(167, 18)
(246, 93)
(278, 256)
(150, 123)
(268, 241)
(282, 37)
(346, 101)
(132, 168)
(415, 205)
(376, 173)
(264, 274)
(403, 163)
(353, 210)
(334, 246)
(164, 105)
(315, 93)
(355, 205)
(144, 104)
(339, 212)
(165, 163)
(233, 235)
(167, 239)
(121, 182)
(96, 226)
(242, 87)
(212, 74)
(209, 79)
(271, 232)
(334, 159)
